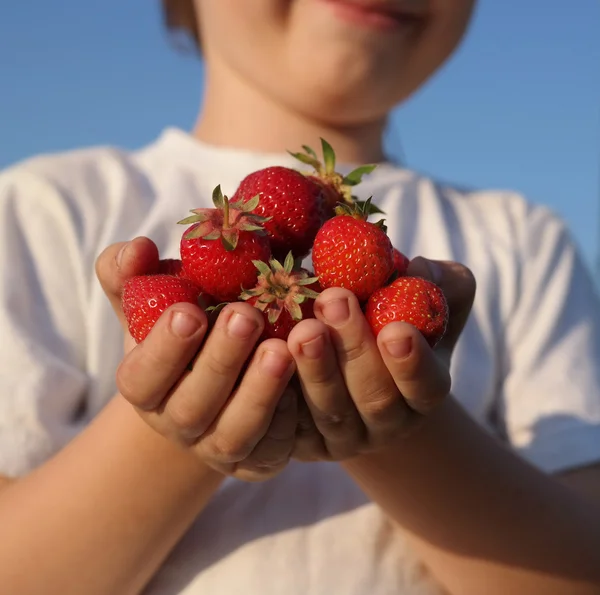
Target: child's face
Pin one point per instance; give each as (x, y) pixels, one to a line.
(328, 58)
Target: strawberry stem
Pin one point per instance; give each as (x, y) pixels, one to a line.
(225, 213)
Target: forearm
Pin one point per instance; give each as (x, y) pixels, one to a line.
(102, 515)
(481, 519)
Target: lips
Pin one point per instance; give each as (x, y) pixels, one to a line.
(399, 7)
(379, 14)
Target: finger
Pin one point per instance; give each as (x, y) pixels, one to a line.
(121, 261)
(149, 371)
(458, 285)
(197, 399)
(324, 389)
(273, 451)
(421, 377)
(245, 419)
(367, 379)
(308, 443)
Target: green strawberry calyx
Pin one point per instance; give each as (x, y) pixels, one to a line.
(225, 221)
(360, 211)
(281, 287)
(325, 171)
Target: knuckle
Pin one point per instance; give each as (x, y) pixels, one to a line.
(225, 450)
(330, 423)
(187, 422)
(219, 367)
(270, 459)
(378, 402)
(126, 385)
(355, 350)
(320, 375)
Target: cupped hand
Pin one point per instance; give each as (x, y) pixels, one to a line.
(215, 392)
(361, 392)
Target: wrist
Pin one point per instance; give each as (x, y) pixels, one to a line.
(122, 434)
(419, 445)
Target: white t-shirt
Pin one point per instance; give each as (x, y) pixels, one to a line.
(527, 366)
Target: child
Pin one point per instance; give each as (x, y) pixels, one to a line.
(375, 480)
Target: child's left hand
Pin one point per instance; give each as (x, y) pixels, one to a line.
(362, 392)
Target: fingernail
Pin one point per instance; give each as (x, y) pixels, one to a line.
(313, 349)
(240, 326)
(336, 312)
(184, 325)
(274, 364)
(399, 349)
(119, 258)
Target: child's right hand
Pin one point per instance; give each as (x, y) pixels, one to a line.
(238, 419)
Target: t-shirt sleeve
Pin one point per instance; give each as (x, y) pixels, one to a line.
(550, 401)
(42, 328)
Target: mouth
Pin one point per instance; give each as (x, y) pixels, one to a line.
(384, 15)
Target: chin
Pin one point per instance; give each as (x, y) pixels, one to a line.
(343, 100)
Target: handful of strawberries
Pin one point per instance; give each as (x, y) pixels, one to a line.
(251, 248)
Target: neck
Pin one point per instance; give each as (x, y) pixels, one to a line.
(238, 115)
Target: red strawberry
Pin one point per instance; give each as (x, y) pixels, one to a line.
(337, 188)
(146, 297)
(284, 296)
(218, 249)
(294, 205)
(401, 263)
(413, 300)
(352, 253)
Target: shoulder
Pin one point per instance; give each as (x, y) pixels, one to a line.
(82, 172)
(74, 193)
(498, 213)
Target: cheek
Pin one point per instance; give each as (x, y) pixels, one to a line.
(244, 26)
(451, 18)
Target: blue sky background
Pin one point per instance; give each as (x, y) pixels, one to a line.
(518, 106)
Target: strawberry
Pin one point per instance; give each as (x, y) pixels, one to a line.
(350, 252)
(413, 300)
(284, 296)
(401, 263)
(295, 207)
(146, 297)
(337, 188)
(218, 249)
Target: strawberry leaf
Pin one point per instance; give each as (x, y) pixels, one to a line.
(307, 281)
(192, 219)
(288, 265)
(328, 156)
(370, 209)
(215, 234)
(276, 266)
(310, 293)
(381, 225)
(307, 159)
(196, 232)
(274, 313)
(355, 176)
(218, 198)
(251, 204)
(263, 268)
(250, 227)
(295, 311)
(309, 151)
(229, 238)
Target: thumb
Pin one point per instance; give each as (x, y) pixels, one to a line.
(458, 284)
(121, 261)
